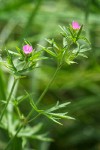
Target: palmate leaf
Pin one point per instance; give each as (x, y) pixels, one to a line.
(53, 43)
(65, 32)
(10, 64)
(57, 116)
(69, 57)
(28, 69)
(54, 119)
(79, 51)
(29, 131)
(57, 106)
(36, 55)
(85, 39)
(48, 51)
(32, 132)
(50, 112)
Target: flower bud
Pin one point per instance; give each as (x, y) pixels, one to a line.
(27, 49)
(75, 25)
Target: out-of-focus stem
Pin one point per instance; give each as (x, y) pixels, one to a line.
(8, 99)
(87, 8)
(18, 130)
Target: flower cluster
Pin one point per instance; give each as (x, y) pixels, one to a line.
(71, 46)
(28, 57)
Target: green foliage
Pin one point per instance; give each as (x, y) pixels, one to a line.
(79, 84)
(71, 47)
(26, 60)
(49, 112)
(22, 63)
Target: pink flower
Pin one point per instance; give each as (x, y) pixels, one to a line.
(75, 25)
(27, 49)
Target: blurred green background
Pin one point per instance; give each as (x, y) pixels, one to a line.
(36, 20)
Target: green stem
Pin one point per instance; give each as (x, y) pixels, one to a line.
(44, 92)
(31, 112)
(8, 99)
(46, 89)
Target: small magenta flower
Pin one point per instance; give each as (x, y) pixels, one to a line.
(75, 25)
(27, 49)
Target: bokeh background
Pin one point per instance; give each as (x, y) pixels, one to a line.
(36, 20)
